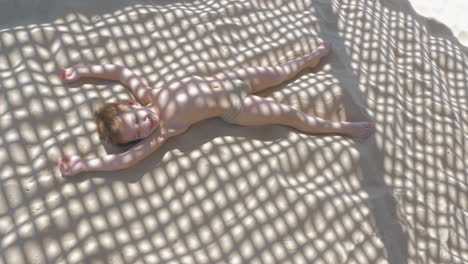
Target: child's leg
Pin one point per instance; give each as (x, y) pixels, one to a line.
(261, 78)
(257, 111)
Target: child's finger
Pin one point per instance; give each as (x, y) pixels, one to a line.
(62, 74)
(65, 169)
(130, 102)
(60, 161)
(62, 169)
(64, 165)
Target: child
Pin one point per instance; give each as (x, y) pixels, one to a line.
(170, 111)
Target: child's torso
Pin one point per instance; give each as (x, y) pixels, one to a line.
(190, 100)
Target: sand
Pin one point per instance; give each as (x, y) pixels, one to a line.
(448, 13)
(221, 193)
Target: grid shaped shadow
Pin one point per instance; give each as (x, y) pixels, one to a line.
(231, 194)
(413, 84)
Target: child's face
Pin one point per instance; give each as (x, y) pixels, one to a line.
(137, 123)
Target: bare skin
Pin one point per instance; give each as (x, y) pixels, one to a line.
(171, 110)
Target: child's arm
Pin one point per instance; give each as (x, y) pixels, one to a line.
(135, 83)
(70, 166)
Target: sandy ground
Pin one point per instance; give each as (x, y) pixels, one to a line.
(449, 13)
(221, 193)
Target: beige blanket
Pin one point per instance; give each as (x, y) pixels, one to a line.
(221, 193)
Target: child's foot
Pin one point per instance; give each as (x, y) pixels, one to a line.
(323, 50)
(359, 130)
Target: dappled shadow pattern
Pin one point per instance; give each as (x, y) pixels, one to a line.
(225, 193)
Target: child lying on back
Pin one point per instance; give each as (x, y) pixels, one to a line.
(172, 109)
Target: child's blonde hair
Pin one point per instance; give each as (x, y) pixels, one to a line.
(108, 121)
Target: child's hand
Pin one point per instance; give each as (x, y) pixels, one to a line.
(69, 74)
(71, 166)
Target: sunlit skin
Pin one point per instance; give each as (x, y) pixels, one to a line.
(137, 123)
(170, 110)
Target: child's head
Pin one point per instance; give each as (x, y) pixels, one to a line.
(124, 122)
